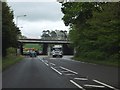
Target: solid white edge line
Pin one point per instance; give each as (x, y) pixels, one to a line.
(105, 84)
(77, 85)
(56, 70)
(68, 70)
(80, 61)
(81, 78)
(87, 85)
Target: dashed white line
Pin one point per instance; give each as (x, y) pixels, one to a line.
(46, 63)
(56, 70)
(98, 86)
(68, 70)
(52, 64)
(105, 84)
(77, 85)
(81, 79)
(42, 60)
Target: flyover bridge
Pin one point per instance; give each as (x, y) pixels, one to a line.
(46, 45)
(44, 41)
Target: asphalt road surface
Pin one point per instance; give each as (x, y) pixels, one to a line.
(44, 72)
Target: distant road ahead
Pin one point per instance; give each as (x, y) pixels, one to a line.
(44, 72)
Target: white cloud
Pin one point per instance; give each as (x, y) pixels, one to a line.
(31, 0)
(40, 16)
(34, 30)
(37, 10)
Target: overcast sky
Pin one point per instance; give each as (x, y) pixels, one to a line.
(41, 16)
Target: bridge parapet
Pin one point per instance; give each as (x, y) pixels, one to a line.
(44, 41)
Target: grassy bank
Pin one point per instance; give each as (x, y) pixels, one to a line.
(114, 63)
(0, 64)
(10, 60)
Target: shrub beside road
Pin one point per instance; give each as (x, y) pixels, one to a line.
(112, 62)
(10, 60)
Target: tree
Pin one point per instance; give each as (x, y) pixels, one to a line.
(46, 35)
(9, 30)
(94, 28)
(53, 35)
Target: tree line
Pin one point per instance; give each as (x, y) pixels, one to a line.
(94, 28)
(10, 31)
(54, 35)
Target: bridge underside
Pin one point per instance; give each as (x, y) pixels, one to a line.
(66, 49)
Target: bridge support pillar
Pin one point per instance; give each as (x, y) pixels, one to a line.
(48, 50)
(67, 50)
(45, 46)
(21, 48)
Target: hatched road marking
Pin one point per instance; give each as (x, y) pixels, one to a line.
(105, 84)
(99, 86)
(68, 70)
(56, 70)
(81, 79)
(77, 85)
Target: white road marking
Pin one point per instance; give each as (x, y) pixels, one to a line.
(56, 70)
(52, 64)
(77, 85)
(46, 63)
(105, 84)
(68, 70)
(64, 71)
(56, 67)
(42, 60)
(79, 61)
(99, 86)
(69, 74)
(81, 79)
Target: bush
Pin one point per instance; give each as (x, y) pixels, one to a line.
(11, 51)
(97, 55)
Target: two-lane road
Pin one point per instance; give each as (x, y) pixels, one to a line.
(44, 72)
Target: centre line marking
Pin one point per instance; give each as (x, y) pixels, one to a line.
(77, 85)
(68, 70)
(81, 78)
(105, 84)
(99, 86)
(56, 70)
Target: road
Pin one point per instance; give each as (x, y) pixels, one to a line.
(44, 72)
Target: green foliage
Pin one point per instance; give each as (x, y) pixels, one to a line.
(95, 29)
(9, 30)
(54, 35)
(11, 51)
(10, 60)
(36, 46)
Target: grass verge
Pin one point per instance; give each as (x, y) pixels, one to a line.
(0, 64)
(9, 61)
(114, 63)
